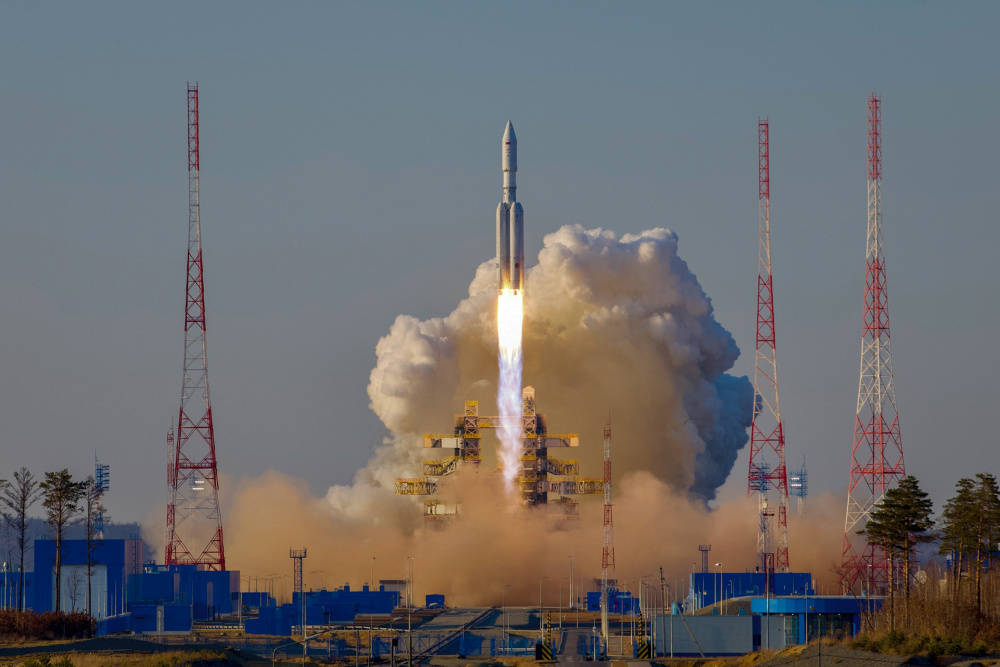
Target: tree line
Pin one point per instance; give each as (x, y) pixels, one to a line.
(66, 501)
(967, 533)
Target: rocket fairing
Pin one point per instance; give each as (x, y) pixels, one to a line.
(510, 219)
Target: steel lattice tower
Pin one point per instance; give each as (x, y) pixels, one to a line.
(193, 516)
(608, 547)
(877, 449)
(767, 472)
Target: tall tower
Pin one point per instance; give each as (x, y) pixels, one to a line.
(877, 450)
(608, 548)
(767, 476)
(194, 522)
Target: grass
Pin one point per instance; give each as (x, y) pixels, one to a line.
(169, 659)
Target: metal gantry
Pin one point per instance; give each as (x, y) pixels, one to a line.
(194, 521)
(877, 447)
(767, 476)
(543, 480)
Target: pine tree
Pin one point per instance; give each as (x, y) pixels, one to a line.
(958, 530)
(900, 521)
(987, 527)
(61, 497)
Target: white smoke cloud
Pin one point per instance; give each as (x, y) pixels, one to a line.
(613, 325)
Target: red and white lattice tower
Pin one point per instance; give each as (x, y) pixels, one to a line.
(767, 476)
(194, 522)
(608, 545)
(877, 450)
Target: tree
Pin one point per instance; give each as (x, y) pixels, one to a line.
(93, 508)
(16, 499)
(900, 521)
(986, 497)
(61, 496)
(958, 529)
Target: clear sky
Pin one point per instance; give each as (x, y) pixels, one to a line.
(350, 173)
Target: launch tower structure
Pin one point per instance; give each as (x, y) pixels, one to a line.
(767, 475)
(877, 447)
(194, 522)
(543, 480)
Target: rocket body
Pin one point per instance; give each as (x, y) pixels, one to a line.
(510, 219)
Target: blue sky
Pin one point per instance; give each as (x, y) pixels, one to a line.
(349, 174)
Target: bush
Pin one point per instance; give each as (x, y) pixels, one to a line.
(47, 625)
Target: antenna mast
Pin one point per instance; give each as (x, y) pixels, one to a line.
(608, 548)
(877, 448)
(193, 516)
(767, 470)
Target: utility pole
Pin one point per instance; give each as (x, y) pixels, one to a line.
(409, 611)
(297, 556)
(608, 549)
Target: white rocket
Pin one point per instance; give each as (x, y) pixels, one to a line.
(510, 219)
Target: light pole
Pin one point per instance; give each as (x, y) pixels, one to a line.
(572, 600)
(503, 619)
(409, 610)
(718, 606)
(541, 612)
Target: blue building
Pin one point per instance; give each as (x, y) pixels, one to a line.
(111, 563)
(619, 602)
(10, 588)
(807, 617)
(323, 607)
(209, 594)
(707, 588)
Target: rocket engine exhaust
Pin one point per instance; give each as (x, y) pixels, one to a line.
(510, 314)
(510, 310)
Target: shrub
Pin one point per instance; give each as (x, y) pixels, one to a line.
(47, 625)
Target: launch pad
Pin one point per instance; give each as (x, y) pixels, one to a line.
(542, 480)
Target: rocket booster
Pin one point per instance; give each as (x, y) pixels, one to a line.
(510, 219)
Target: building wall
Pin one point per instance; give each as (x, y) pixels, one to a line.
(711, 635)
(112, 561)
(708, 587)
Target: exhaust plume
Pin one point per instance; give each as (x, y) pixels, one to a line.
(510, 317)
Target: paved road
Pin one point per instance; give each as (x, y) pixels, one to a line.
(574, 646)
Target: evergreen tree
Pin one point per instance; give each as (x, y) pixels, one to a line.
(900, 521)
(987, 527)
(958, 530)
(61, 496)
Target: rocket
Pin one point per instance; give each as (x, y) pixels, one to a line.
(510, 219)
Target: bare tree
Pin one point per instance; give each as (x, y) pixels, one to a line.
(61, 496)
(93, 509)
(73, 589)
(16, 499)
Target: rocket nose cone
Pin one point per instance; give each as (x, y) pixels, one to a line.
(508, 134)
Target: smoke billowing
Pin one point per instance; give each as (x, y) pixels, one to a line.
(613, 326)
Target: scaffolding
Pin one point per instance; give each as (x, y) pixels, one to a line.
(543, 480)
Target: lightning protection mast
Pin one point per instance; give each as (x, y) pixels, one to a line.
(767, 476)
(877, 448)
(194, 522)
(608, 547)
